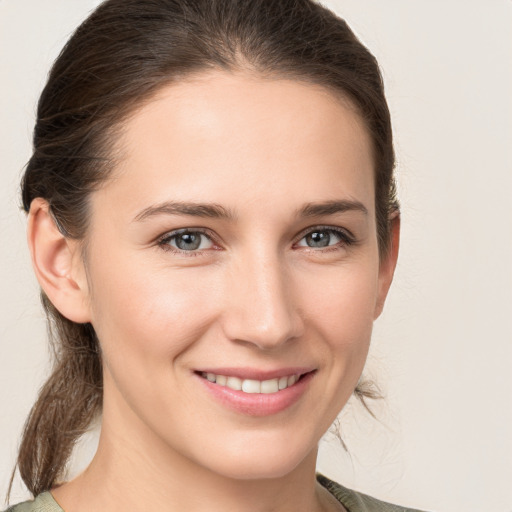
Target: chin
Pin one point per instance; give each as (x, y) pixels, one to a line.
(255, 462)
(268, 470)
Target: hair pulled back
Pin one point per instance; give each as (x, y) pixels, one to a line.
(117, 60)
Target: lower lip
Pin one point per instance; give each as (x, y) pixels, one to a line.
(258, 404)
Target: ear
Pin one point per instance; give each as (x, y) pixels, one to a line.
(57, 264)
(388, 263)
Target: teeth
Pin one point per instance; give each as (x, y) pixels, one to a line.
(270, 386)
(283, 382)
(234, 383)
(251, 385)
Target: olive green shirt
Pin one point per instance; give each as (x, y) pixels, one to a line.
(353, 501)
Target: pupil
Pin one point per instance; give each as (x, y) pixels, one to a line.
(319, 239)
(188, 241)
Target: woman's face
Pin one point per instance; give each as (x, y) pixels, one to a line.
(235, 246)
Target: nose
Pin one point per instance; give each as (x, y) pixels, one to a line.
(261, 309)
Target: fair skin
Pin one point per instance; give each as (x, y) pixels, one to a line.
(281, 278)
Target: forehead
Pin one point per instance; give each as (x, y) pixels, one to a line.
(220, 136)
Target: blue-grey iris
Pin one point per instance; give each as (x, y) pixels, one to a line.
(188, 241)
(318, 239)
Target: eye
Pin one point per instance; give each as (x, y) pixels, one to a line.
(320, 237)
(186, 240)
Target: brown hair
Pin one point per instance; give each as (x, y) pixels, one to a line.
(114, 62)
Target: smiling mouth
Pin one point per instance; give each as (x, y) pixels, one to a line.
(252, 386)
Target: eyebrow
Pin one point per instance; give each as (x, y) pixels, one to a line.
(217, 211)
(211, 210)
(331, 208)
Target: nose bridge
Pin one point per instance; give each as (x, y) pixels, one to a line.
(262, 310)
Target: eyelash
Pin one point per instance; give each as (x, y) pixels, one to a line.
(346, 240)
(164, 241)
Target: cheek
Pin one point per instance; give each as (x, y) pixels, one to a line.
(338, 307)
(342, 303)
(142, 316)
(340, 313)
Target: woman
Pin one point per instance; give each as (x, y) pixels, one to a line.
(213, 223)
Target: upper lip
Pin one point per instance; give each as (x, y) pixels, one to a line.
(256, 373)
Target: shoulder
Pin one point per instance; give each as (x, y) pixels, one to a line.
(43, 503)
(353, 501)
(358, 502)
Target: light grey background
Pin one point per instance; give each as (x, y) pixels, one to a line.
(443, 349)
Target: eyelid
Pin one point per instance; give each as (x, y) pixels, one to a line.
(347, 235)
(162, 240)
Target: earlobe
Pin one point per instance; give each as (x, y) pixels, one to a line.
(57, 264)
(388, 264)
